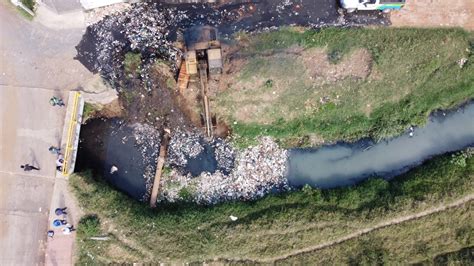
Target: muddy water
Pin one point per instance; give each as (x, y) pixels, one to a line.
(345, 164)
(112, 142)
(104, 143)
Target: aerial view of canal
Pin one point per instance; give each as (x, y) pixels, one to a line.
(345, 164)
(108, 143)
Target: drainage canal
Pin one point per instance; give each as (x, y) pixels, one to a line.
(134, 150)
(345, 164)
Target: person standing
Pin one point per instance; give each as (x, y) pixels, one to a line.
(68, 229)
(60, 211)
(27, 167)
(54, 150)
(56, 101)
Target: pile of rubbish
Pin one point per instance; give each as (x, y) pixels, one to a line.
(184, 145)
(147, 140)
(142, 29)
(225, 155)
(259, 170)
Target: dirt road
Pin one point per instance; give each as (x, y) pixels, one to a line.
(435, 13)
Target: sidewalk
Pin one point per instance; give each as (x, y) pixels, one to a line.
(73, 19)
(60, 248)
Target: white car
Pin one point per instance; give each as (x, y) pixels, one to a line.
(382, 5)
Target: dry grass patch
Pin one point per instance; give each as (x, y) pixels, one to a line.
(286, 84)
(321, 70)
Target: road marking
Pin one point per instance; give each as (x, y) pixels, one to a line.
(28, 175)
(22, 213)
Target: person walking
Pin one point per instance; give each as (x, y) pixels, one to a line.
(56, 101)
(60, 211)
(68, 229)
(27, 167)
(54, 150)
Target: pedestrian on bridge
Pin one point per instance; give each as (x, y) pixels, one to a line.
(27, 167)
(55, 150)
(56, 101)
(60, 211)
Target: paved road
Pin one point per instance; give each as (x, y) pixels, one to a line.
(29, 125)
(36, 63)
(35, 56)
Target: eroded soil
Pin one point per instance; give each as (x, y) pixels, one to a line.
(435, 13)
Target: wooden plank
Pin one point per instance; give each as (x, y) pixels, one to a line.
(183, 78)
(159, 168)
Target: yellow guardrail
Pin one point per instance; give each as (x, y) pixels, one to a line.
(70, 134)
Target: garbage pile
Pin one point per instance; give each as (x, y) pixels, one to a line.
(225, 155)
(259, 170)
(183, 145)
(143, 29)
(147, 141)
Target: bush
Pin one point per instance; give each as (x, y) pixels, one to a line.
(132, 63)
(29, 4)
(89, 226)
(185, 194)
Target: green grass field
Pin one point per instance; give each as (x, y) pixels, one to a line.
(280, 78)
(421, 241)
(274, 225)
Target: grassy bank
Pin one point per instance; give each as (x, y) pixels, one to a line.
(268, 227)
(332, 84)
(435, 239)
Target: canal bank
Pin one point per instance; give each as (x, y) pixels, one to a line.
(346, 164)
(213, 172)
(283, 223)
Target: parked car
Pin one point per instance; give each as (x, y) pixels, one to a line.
(382, 5)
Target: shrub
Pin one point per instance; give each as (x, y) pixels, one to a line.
(89, 225)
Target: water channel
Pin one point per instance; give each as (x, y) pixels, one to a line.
(109, 142)
(345, 164)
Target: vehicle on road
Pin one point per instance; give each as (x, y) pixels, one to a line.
(382, 5)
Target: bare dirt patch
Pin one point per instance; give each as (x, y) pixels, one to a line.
(268, 86)
(113, 109)
(435, 13)
(159, 106)
(321, 70)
